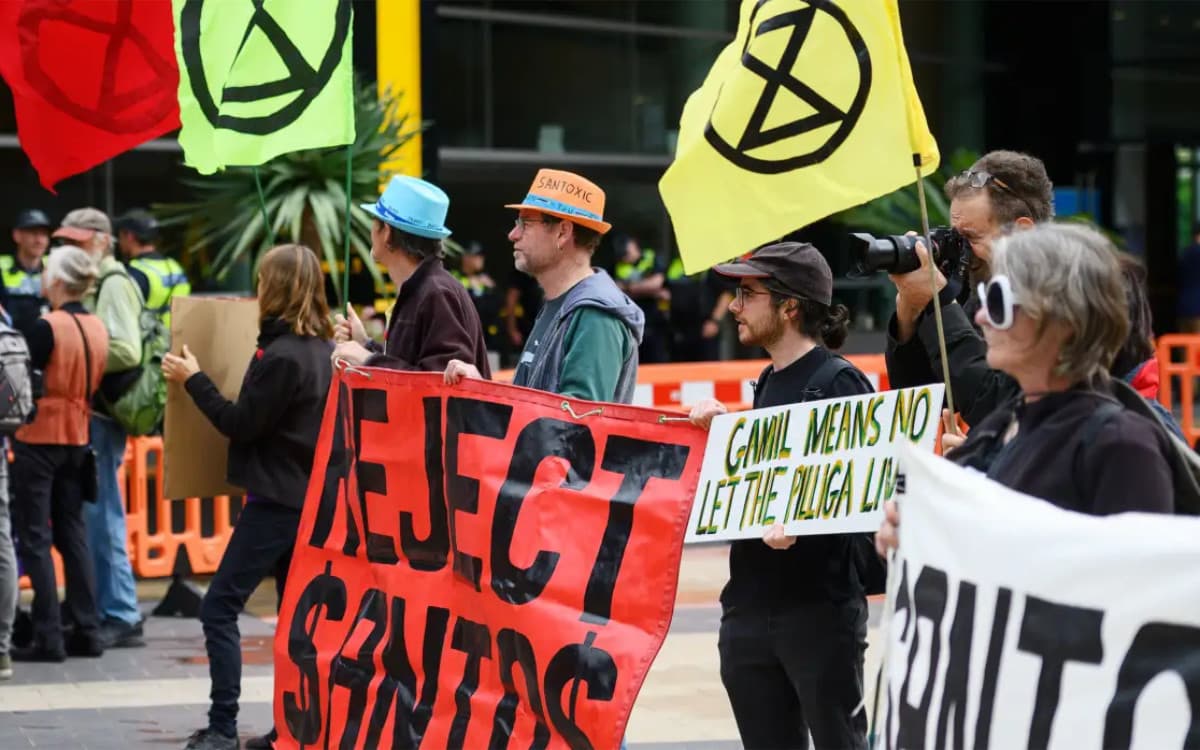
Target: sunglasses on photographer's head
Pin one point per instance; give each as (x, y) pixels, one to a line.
(980, 178)
(999, 304)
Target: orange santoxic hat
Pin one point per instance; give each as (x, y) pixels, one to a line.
(567, 196)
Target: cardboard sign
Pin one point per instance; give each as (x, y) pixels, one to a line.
(479, 566)
(817, 467)
(1017, 624)
(222, 332)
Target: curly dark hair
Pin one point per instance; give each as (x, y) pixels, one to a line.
(1029, 190)
(828, 325)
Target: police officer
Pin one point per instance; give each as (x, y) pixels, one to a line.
(22, 271)
(485, 295)
(160, 278)
(641, 274)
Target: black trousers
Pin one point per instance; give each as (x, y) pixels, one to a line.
(47, 508)
(796, 670)
(261, 545)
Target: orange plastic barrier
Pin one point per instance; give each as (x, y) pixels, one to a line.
(154, 543)
(1178, 367)
(683, 384)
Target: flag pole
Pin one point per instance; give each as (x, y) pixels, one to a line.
(346, 238)
(268, 231)
(937, 308)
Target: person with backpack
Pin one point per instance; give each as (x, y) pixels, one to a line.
(1055, 314)
(54, 473)
(794, 612)
(119, 305)
(272, 430)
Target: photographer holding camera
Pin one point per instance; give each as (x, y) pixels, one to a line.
(1001, 191)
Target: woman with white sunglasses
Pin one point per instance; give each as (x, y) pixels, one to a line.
(1054, 314)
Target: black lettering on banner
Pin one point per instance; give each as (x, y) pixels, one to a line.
(539, 440)
(370, 405)
(639, 461)
(336, 472)
(465, 416)
(954, 692)
(356, 673)
(991, 670)
(474, 640)
(514, 649)
(400, 680)
(429, 554)
(576, 663)
(903, 604)
(1058, 633)
(1158, 647)
(302, 709)
(929, 602)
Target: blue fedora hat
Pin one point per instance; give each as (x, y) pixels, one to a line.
(414, 206)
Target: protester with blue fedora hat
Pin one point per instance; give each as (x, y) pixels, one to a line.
(433, 320)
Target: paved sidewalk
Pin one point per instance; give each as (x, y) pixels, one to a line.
(156, 696)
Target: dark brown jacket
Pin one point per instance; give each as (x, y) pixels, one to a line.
(432, 322)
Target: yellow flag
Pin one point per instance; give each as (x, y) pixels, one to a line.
(810, 110)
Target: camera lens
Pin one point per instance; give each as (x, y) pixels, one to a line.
(891, 254)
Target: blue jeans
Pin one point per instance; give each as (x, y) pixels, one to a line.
(116, 594)
(8, 561)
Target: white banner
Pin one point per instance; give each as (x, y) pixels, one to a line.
(818, 467)
(1018, 625)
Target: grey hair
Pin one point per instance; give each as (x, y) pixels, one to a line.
(1069, 273)
(74, 267)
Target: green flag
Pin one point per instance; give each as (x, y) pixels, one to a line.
(259, 78)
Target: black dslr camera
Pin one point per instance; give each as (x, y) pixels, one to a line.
(898, 253)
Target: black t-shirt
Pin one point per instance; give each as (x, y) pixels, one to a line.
(815, 568)
(541, 328)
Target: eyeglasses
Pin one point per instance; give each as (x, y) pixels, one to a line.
(998, 302)
(743, 293)
(521, 222)
(978, 178)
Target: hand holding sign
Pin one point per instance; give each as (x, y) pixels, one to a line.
(703, 412)
(456, 370)
(776, 539)
(951, 437)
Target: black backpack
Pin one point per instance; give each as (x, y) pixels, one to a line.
(872, 569)
(1185, 464)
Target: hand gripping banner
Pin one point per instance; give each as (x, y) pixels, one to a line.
(479, 566)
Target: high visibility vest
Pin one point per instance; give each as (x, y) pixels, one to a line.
(626, 271)
(167, 280)
(18, 281)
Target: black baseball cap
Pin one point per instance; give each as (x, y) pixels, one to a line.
(794, 269)
(139, 221)
(32, 218)
(474, 247)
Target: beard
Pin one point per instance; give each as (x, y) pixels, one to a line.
(765, 333)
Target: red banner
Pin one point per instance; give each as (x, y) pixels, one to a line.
(479, 566)
(90, 78)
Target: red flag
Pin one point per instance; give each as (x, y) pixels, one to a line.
(90, 78)
(479, 566)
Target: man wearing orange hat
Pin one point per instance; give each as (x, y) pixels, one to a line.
(585, 340)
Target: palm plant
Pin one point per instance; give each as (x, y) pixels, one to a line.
(304, 193)
(901, 210)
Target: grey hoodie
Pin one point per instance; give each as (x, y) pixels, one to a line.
(599, 291)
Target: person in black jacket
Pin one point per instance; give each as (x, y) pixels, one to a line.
(794, 613)
(1003, 190)
(1055, 316)
(272, 431)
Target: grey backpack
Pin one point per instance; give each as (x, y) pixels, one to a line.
(16, 381)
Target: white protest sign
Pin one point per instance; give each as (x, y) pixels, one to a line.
(1017, 624)
(817, 467)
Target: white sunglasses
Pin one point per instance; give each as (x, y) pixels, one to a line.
(999, 304)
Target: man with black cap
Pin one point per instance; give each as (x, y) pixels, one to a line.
(159, 278)
(794, 622)
(22, 271)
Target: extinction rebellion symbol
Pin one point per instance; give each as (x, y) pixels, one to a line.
(130, 111)
(302, 79)
(819, 113)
